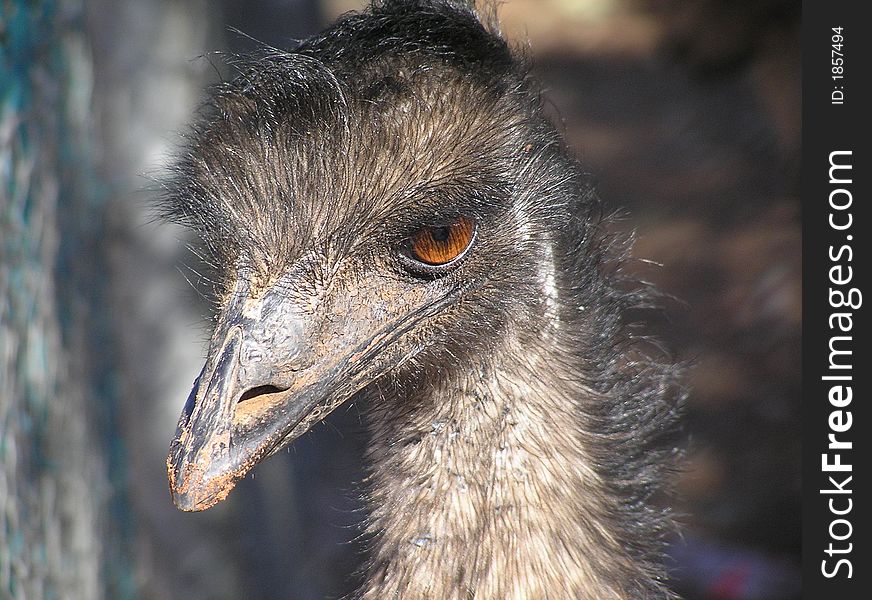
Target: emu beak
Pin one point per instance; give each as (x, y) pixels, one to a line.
(250, 400)
(228, 425)
(273, 370)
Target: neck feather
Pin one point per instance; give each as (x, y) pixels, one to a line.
(485, 489)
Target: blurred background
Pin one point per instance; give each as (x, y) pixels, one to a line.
(687, 112)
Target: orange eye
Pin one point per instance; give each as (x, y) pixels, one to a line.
(437, 246)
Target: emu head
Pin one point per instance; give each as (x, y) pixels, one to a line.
(382, 204)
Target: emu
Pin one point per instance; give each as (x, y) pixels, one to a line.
(393, 219)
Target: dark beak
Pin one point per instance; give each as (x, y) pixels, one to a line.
(251, 399)
(273, 371)
(231, 422)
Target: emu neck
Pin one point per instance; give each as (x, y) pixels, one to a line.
(483, 489)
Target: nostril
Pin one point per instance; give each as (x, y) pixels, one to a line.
(258, 406)
(258, 391)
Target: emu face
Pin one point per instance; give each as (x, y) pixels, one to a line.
(374, 223)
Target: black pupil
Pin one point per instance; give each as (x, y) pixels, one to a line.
(440, 234)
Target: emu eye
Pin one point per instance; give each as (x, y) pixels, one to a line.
(437, 246)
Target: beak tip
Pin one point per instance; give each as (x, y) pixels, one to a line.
(184, 502)
(181, 498)
(192, 490)
(193, 502)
